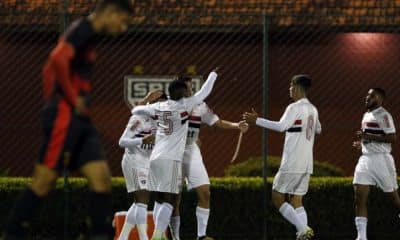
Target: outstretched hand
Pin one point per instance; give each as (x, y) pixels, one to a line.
(250, 117)
(243, 126)
(149, 139)
(217, 70)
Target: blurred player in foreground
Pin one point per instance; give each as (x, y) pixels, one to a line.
(138, 141)
(71, 141)
(193, 169)
(376, 165)
(300, 122)
(165, 175)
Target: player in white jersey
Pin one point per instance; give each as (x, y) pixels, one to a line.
(165, 173)
(193, 169)
(376, 165)
(138, 141)
(300, 122)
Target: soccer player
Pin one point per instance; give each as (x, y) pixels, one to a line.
(376, 164)
(300, 122)
(71, 141)
(193, 169)
(138, 141)
(165, 174)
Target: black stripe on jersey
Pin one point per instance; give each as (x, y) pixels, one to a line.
(145, 132)
(194, 125)
(139, 135)
(184, 120)
(294, 129)
(373, 131)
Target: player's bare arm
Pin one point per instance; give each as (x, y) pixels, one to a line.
(151, 97)
(384, 138)
(224, 124)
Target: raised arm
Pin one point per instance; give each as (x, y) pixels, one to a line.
(204, 91)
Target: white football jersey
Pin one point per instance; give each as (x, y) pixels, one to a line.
(137, 127)
(378, 121)
(172, 121)
(301, 122)
(200, 114)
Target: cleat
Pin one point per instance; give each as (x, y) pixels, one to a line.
(205, 238)
(306, 235)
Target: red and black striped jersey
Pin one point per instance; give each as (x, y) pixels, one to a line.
(69, 67)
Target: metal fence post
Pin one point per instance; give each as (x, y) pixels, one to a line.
(264, 113)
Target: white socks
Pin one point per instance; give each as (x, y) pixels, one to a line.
(302, 214)
(141, 220)
(156, 208)
(361, 225)
(136, 215)
(175, 225)
(162, 220)
(202, 215)
(290, 214)
(129, 223)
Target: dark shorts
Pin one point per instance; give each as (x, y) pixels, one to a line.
(69, 140)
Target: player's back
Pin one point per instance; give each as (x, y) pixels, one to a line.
(172, 127)
(299, 140)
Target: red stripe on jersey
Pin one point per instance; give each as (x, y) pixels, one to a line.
(184, 114)
(297, 122)
(372, 124)
(60, 62)
(58, 135)
(195, 118)
(81, 84)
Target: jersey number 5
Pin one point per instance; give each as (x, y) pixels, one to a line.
(310, 127)
(167, 123)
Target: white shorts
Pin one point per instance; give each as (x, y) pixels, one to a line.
(136, 174)
(165, 176)
(377, 170)
(193, 169)
(291, 183)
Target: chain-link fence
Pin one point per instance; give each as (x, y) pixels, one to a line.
(346, 46)
(344, 59)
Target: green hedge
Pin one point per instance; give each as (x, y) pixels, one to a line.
(236, 211)
(253, 168)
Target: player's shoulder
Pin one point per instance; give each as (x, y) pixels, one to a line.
(382, 112)
(79, 32)
(137, 118)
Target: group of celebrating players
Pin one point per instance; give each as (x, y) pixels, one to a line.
(161, 144)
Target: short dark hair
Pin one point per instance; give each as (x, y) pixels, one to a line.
(302, 80)
(381, 93)
(124, 5)
(177, 89)
(184, 79)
